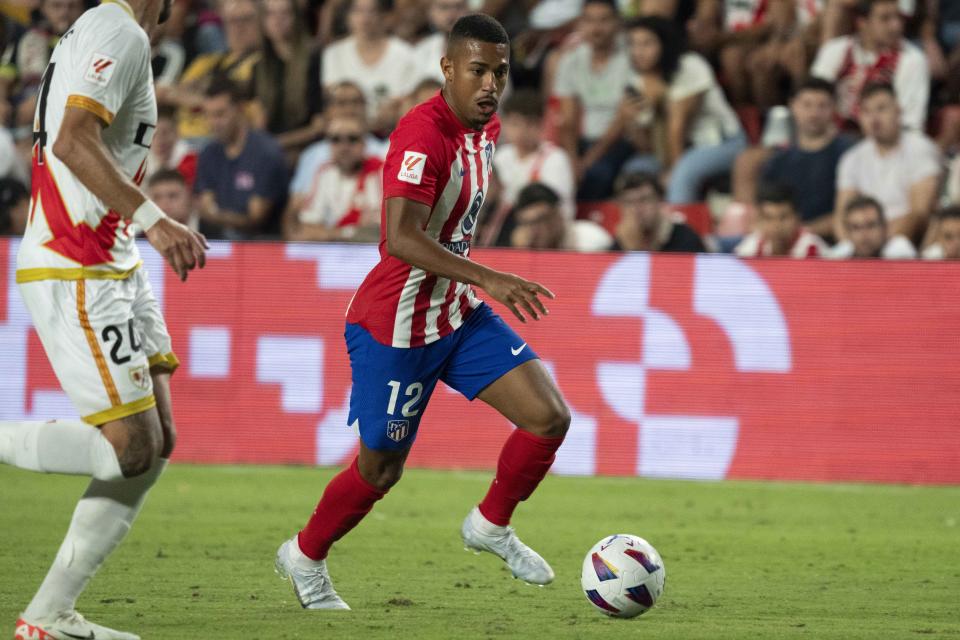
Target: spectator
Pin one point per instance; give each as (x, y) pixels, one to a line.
(240, 19)
(696, 113)
(345, 194)
(589, 82)
(899, 168)
(809, 164)
(168, 57)
(868, 235)
(10, 165)
(344, 99)
(23, 63)
(877, 53)
(241, 173)
(645, 225)
(170, 191)
(14, 207)
(949, 233)
(286, 79)
(382, 65)
(538, 223)
(425, 89)
(168, 151)
(429, 50)
(778, 228)
(526, 157)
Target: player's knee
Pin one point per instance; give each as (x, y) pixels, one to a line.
(169, 438)
(386, 477)
(553, 423)
(137, 441)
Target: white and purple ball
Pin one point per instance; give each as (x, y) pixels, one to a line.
(623, 576)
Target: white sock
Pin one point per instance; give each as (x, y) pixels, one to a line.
(101, 520)
(299, 558)
(483, 525)
(64, 446)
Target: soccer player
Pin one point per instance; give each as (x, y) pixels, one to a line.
(416, 320)
(92, 306)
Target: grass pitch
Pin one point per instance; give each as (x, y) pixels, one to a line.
(743, 559)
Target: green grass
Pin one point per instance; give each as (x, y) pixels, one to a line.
(743, 559)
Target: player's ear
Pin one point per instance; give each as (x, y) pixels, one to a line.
(446, 66)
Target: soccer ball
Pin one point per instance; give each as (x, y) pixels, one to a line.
(623, 575)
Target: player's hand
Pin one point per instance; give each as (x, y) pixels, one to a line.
(179, 245)
(517, 294)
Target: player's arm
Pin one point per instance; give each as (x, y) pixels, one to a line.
(79, 145)
(407, 241)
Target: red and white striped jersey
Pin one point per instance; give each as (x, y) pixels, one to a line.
(435, 160)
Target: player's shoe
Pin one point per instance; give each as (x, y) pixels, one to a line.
(66, 625)
(479, 534)
(313, 586)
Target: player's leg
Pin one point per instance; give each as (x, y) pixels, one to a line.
(390, 389)
(110, 393)
(494, 364)
(527, 397)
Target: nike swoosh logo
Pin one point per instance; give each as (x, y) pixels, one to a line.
(516, 351)
(92, 636)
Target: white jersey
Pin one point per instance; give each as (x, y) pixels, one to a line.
(101, 64)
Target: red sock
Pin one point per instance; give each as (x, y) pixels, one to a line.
(345, 501)
(524, 461)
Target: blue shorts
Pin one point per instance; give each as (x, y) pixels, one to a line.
(391, 386)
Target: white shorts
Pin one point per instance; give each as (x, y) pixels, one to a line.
(102, 338)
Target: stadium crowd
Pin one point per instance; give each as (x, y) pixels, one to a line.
(804, 128)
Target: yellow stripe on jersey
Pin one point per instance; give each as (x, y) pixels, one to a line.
(102, 367)
(123, 5)
(72, 273)
(166, 361)
(124, 410)
(91, 105)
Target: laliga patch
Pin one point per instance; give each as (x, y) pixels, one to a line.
(100, 69)
(411, 169)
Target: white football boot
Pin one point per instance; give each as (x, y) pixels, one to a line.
(479, 534)
(66, 625)
(312, 586)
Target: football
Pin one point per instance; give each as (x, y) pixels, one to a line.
(623, 576)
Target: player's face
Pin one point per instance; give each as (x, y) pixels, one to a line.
(173, 198)
(346, 137)
(444, 13)
(642, 204)
(866, 231)
(880, 118)
(950, 238)
(476, 74)
(778, 222)
(813, 112)
(884, 25)
(599, 25)
(644, 47)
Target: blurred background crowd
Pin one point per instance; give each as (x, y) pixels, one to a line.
(803, 128)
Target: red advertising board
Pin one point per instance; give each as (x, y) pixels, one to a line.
(674, 366)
